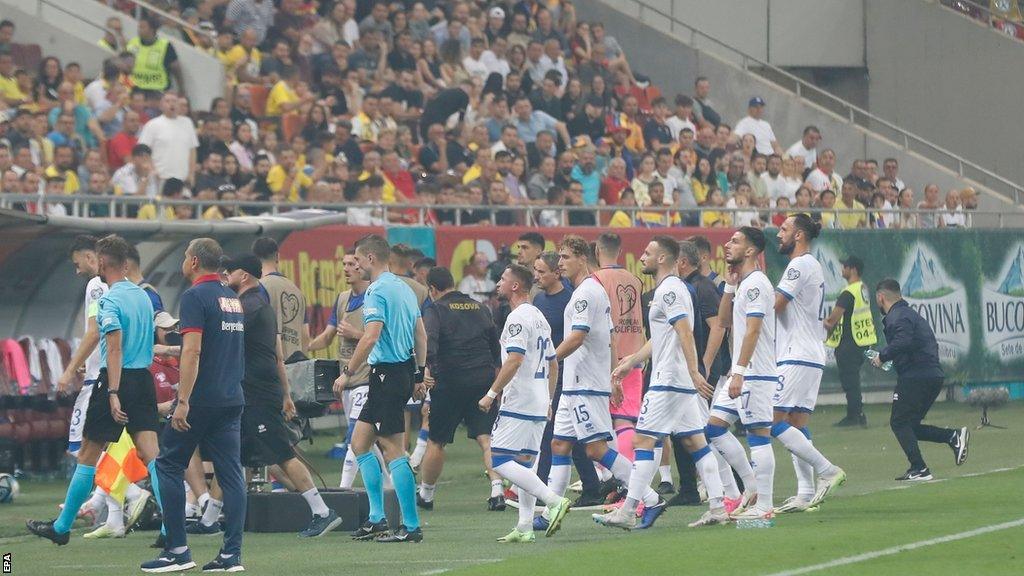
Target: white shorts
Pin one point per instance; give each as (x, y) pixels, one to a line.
(517, 434)
(583, 417)
(797, 390)
(753, 407)
(354, 399)
(664, 412)
(78, 417)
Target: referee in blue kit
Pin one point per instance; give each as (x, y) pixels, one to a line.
(209, 410)
(392, 332)
(123, 396)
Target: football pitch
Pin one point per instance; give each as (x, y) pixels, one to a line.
(970, 520)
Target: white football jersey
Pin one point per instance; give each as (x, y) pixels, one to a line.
(94, 290)
(590, 366)
(671, 304)
(527, 332)
(755, 296)
(800, 335)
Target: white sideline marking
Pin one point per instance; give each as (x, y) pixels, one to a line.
(902, 548)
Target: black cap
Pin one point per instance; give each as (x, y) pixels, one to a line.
(854, 262)
(248, 263)
(595, 101)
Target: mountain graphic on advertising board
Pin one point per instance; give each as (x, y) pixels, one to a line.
(833, 272)
(1013, 284)
(924, 280)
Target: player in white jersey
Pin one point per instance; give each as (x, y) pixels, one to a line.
(670, 406)
(800, 351)
(583, 414)
(83, 256)
(525, 382)
(747, 392)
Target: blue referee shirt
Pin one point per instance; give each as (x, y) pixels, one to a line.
(127, 308)
(390, 300)
(213, 310)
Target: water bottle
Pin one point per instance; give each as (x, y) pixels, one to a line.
(750, 523)
(871, 354)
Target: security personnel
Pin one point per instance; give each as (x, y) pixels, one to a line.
(462, 355)
(851, 332)
(209, 409)
(287, 300)
(914, 352)
(155, 59)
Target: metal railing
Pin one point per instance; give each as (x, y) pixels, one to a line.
(804, 90)
(141, 5)
(124, 207)
(985, 16)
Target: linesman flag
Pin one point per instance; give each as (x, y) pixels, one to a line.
(119, 467)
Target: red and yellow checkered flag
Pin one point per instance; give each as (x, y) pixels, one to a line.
(119, 467)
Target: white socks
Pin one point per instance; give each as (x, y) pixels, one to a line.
(316, 502)
(763, 462)
(133, 492)
(115, 514)
(603, 474)
(707, 468)
(417, 453)
(729, 487)
(527, 502)
(640, 479)
(427, 491)
(558, 477)
(212, 513)
(528, 483)
(497, 489)
(804, 478)
(730, 448)
(798, 444)
(349, 469)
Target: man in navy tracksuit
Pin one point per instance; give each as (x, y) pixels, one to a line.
(209, 410)
(912, 348)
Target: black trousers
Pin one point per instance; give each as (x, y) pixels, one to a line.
(849, 359)
(910, 403)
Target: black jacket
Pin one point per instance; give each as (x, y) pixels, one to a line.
(461, 339)
(911, 344)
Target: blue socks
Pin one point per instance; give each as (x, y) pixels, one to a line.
(155, 482)
(405, 489)
(78, 492)
(373, 479)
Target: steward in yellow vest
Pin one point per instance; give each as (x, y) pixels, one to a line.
(851, 332)
(155, 59)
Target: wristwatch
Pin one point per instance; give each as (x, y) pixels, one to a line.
(345, 370)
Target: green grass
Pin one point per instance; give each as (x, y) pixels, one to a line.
(869, 514)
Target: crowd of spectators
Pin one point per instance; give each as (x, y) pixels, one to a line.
(391, 105)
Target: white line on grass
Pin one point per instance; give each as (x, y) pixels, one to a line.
(902, 548)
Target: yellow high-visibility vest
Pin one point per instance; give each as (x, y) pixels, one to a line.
(861, 322)
(149, 72)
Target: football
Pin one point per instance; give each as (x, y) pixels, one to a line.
(9, 488)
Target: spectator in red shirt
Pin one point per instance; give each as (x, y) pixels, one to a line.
(401, 179)
(614, 182)
(119, 147)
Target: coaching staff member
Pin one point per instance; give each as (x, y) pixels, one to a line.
(392, 330)
(462, 355)
(265, 438)
(209, 410)
(915, 354)
(123, 396)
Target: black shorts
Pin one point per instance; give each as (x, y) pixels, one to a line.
(451, 406)
(390, 388)
(138, 402)
(265, 438)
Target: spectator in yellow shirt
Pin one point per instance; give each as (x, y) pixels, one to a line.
(288, 175)
(857, 217)
(283, 97)
(63, 167)
(10, 93)
(173, 189)
(827, 200)
(623, 218)
(712, 218)
(657, 217)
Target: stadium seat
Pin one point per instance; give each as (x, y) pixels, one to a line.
(258, 99)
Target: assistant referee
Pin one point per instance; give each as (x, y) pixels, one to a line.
(124, 396)
(393, 330)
